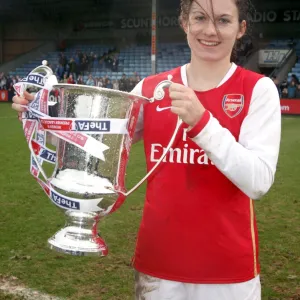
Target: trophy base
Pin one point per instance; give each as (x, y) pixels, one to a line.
(80, 236)
(77, 242)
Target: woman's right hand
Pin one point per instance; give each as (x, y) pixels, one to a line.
(18, 101)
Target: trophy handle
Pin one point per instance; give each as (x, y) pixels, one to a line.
(179, 122)
(42, 70)
(159, 91)
(158, 95)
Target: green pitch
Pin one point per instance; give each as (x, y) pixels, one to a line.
(28, 219)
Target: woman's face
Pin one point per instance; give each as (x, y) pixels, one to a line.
(212, 29)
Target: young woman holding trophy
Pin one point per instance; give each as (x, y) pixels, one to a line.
(198, 237)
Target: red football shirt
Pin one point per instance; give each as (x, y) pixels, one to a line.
(197, 226)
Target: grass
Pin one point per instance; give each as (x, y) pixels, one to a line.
(28, 219)
(10, 297)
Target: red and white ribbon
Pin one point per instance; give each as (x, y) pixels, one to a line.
(36, 122)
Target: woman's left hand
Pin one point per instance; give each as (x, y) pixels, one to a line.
(186, 104)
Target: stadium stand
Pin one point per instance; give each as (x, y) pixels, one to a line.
(103, 65)
(290, 87)
(291, 43)
(131, 60)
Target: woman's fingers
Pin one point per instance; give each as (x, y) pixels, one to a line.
(18, 107)
(23, 100)
(18, 101)
(20, 116)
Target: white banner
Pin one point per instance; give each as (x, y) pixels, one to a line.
(273, 16)
(272, 57)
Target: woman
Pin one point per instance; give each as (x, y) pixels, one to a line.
(198, 237)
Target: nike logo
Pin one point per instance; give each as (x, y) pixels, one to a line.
(162, 108)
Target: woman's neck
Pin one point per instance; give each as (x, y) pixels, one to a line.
(202, 75)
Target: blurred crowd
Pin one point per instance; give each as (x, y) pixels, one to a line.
(288, 89)
(77, 68)
(7, 82)
(125, 84)
(82, 63)
(81, 67)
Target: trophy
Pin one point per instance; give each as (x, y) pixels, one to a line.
(94, 129)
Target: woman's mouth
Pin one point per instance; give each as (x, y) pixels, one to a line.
(209, 43)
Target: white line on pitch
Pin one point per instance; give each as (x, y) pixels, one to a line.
(9, 286)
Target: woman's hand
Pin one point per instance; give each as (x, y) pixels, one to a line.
(186, 104)
(18, 101)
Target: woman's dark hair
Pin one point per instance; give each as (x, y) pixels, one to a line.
(245, 10)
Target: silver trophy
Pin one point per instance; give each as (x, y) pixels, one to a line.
(88, 181)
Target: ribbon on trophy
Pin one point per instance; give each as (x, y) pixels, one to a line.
(36, 122)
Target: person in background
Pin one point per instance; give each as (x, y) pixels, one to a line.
(131, 83)
(292, 89)
(297, 93)
(284, 93)
(276, 82)
(72, 68)
(80, 80)
(90, 81)
(123, 83)
(65, 78)
(115, 64)
(100, 82)
(71, 79)
(109, 84)
(295, 79)
(116, 85)
(284, 84)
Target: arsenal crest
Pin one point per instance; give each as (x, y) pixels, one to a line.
(233, 104)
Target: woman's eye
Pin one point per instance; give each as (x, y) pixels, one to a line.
(224, 21)
(200, 18)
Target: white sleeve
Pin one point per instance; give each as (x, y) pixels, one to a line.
(251, 162)
(140, 122)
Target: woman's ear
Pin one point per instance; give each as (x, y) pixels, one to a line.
(185, 26)
(242, 31)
